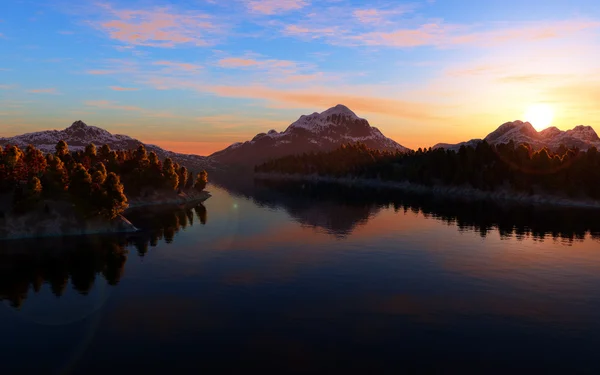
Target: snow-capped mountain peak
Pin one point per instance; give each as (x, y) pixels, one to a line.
(583, 132)
(339, 110)
(519, 132)
(523, 131)
(79, 135)
(310, 133)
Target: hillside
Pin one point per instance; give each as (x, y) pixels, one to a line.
(581, 137)
(317, 132)
(79, 135)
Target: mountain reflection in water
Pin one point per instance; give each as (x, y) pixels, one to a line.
(306, 278)
(339, 209)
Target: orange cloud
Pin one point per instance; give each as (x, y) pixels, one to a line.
(105, 104)
(43, 91)
(234, 62)
(314, 32)
(100, 72)
(319, 99)
(378, 16)
(160, 27)
(275, 6)
(237, 62)
(118, 88)
(317, 25)
(183, 66)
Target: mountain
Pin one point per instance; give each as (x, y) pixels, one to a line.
(582, 137)
(317, 132)
(80, 135)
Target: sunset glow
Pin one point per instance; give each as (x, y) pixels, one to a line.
(540, 116)
(211, 73)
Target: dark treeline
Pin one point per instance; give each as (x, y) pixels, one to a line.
(566, 172)
(483, 217)
(98, 181)
(26, 265)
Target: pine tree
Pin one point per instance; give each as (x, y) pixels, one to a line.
(170, 175)
(55, 177)
(104, 151)
(190, 180)
(201, 181)
(80, 187)
(183, 176)
(62, 149)
(35, 162)
(99, 173)
(115, 201)
(90, 151)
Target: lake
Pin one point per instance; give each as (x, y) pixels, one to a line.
(299, 278)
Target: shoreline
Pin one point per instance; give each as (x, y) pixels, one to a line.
(456, 192)
(55, 225)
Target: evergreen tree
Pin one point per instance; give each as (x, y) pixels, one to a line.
(183, 176)
(62, 149)
(80, 187)
(190, 180)
(35, 162)
(201, 181)
(171, 179)
(90, 151)
(115, 201)
(99, 173)
(55, 177)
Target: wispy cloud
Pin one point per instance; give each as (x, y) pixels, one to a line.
(380, 27)
(238, 62)
(179, 65)
(275, 6)
(375, 16)
(99, 71)
(119, 88)
(50, 90)
(157, 27)
(322, 98)
(106, 104)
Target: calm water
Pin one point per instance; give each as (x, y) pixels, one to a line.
(304, 279)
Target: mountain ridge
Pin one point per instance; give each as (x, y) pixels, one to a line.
(310, 133)
(79, 135)
(519, 132)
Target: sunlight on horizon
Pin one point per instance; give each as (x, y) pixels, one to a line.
(540, 116)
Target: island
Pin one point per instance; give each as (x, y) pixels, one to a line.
(87, 191)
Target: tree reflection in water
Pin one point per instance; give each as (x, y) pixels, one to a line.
(26, 265)
(339, 209)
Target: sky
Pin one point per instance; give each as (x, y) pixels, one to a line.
(194, 76)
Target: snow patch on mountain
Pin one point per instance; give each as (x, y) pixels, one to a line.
(310, 133)
(519, 132)
(79, 135)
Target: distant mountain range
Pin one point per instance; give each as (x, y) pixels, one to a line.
(80, 135)
(317, 132)
(582, 137)
(323, 131)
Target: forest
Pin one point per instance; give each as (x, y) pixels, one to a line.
(565, 172)
(97, 181)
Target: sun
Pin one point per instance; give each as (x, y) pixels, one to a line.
(539, 115)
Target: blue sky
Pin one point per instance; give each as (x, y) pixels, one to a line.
(196, 75)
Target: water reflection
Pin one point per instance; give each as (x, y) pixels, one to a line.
(26, 265)
(341, 209)
(158, 225)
